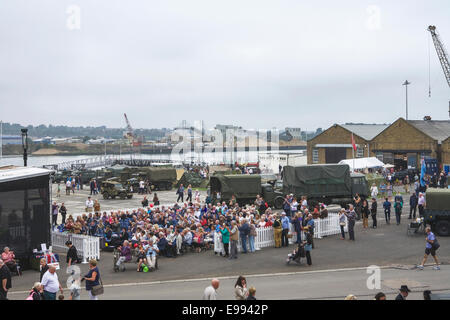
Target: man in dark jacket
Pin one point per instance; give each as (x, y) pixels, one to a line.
(404, 290)
(412, 205)
(373, 212)
(72, 254)
(244, 231)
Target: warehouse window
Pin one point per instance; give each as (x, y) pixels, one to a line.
(380, 156)
(315, 156)
(359, 152)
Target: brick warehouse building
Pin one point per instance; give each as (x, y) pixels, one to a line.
(335, 143)
(403, 143)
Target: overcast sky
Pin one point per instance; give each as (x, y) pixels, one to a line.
(254, 63)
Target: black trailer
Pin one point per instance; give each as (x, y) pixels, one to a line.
(24, 210)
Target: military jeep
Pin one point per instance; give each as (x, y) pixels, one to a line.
(437, 210)
(113, 189)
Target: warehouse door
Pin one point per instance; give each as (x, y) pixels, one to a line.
(334, 155)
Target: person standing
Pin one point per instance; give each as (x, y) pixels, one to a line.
(252, 236)
(51, 284)
(43, 268)
(89, 205)
(141, 186)
(277, 229)
(398, 210)
(387, 210)
(342, 223)
(285, 230)
(351, 218)
(68, 187)
(234, 237)
(374, 190)
(308, 244)
(5, 280)
(96, 206)
(225, 231)
(244, 231)
(189, 194)
(373, 212)
(55, 208)
(63, 211)
(297, 222)
(240, 289)
(365, 214)
(412, 206)
(92, 279)
(180, 193)
(430, 248)
(210, 292)
(92, 186)
(421, 203)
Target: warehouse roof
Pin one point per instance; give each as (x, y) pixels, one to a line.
(365, 131)
(10, 173)
(436, 129)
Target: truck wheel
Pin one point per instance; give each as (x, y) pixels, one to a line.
(443, 228)
(122, 196)
(105, 195)
(278, 203)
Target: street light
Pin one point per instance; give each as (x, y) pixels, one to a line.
(406, 83)
(25, 145)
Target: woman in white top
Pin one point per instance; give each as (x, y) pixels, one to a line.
(374, 191)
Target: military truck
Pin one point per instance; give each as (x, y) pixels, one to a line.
(159, 178)
(112, 189)
(244, 188)
(437, 210)
(325, 183)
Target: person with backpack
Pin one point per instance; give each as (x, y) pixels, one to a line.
(431, 246)
(398, 205)
(36, 292)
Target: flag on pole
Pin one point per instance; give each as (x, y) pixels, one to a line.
(353, 143)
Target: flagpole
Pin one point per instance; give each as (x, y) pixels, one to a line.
(353, 152)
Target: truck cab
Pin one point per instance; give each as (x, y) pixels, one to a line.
(359, 185)
(271, 195)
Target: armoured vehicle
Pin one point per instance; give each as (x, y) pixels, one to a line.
(437, 210)
(328, 183)
(244, 188)
(112, 189)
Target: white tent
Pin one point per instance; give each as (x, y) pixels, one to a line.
(363, 163)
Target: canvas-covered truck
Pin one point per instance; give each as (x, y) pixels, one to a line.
(244, 188)
(328, 183)
(437, 210)
(159, 178)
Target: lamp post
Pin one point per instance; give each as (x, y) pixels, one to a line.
(25, 145)
(406, 83)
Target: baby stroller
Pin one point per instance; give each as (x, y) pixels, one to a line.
(297, 254)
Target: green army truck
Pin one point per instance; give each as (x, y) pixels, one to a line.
(244, 188)
(327, 183)
(437, 210)
(159, 178)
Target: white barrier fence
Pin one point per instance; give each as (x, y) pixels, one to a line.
(322, 228)
(88, 247)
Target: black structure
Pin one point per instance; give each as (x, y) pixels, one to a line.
(24, 210)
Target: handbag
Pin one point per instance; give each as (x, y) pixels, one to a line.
(435, 245)
(98, 289)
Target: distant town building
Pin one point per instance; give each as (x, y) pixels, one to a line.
(10, 139)
(296, 133)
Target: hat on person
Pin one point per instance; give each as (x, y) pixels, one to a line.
(283, 213)
(404, 288)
